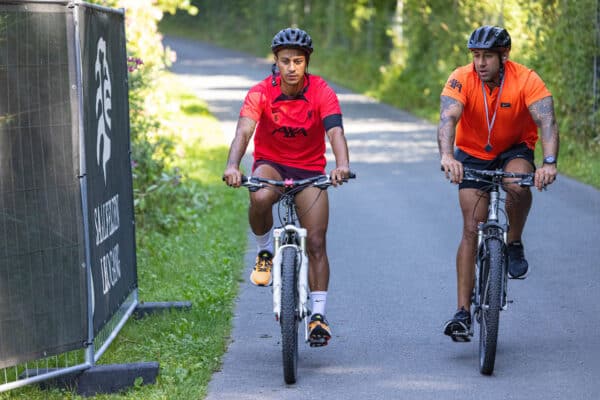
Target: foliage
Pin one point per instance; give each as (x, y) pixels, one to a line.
(162, 196)
(402, 51)
(567, 64)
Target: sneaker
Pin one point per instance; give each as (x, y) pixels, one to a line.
(517, 264)
(459, 327)
(319, 331)
(261, 274)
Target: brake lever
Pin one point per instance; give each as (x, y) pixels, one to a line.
(323, 184)
(251, 185)
(528, 181)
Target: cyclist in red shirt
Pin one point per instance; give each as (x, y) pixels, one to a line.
(490, 113)
(290, 113)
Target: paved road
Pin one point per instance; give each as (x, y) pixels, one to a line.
(392, 240)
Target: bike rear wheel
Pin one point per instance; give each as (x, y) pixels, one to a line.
(492, 270)
(288, 318)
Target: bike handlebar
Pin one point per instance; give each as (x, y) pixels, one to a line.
(490, 176)
(253, 183)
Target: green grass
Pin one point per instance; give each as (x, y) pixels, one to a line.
(580, 162)
(201, 263)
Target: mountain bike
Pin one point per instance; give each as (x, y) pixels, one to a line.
(290, 265)
(491, 264)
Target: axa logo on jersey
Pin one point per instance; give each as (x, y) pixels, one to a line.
(290, 132)
(103, 106)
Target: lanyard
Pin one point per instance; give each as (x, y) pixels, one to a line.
(490, 125)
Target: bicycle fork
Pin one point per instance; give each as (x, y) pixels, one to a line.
(482, 254)
(302, 273)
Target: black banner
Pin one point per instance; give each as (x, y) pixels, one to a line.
(107, 160)
(43, 306)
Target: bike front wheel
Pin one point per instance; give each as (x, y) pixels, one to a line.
(492, 270)
(288, 318)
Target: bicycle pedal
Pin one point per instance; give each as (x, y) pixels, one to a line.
(318, 341)
(460, 337)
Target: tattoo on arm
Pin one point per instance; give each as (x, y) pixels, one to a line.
(450, 112)
(542, 112)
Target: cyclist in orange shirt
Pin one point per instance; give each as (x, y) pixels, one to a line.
(490, 113)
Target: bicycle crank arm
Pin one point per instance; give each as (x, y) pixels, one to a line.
(505, 306)
(306, 339)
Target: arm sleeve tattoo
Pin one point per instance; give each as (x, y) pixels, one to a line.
(542, 112)
(450, 112)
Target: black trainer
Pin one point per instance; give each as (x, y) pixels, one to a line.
(517, 264)
(458, 328)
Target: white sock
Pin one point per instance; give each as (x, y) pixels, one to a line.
(264, 242)
(318, 301)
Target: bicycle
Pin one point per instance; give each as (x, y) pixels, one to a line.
(290, 265)
(491, 274)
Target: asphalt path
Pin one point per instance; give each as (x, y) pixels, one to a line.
(392, 242)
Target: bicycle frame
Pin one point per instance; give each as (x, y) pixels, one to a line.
(491, 275)
(493, 227)
(291, 235)
(290, 265)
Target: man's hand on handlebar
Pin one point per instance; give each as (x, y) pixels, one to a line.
(545, 175)
(452, 168)
(232, 176)
(339, 175)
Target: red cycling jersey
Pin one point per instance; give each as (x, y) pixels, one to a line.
(291, 131)
(513, 125)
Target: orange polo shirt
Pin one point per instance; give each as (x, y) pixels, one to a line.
(513, 125)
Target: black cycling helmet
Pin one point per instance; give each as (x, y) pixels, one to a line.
(489, 37)
(292, 38)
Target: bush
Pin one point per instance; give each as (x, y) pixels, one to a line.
(162, 198)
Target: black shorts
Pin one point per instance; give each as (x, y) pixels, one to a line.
(287, 172)
(518, 151)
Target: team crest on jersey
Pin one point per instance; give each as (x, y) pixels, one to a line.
(455, 84)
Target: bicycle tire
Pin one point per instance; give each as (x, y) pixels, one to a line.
(491, 303)
(288, 318)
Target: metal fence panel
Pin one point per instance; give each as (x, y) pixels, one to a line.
(43, 306)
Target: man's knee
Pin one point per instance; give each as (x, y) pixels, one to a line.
(262, 200)
(469, 235)
(517, 196)
(316, 245)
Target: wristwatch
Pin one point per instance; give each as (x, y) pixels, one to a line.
(549, 160)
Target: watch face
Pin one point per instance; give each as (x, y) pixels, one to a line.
(549, 160)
